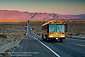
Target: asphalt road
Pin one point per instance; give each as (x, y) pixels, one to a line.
(33, 46)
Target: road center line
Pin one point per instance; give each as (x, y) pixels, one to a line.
(74, 39)
(47, 47)
(75, 44)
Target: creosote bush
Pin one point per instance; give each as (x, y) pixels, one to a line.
(3, 36)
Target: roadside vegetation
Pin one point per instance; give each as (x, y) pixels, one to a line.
(74, 28)
(10, 34)
(3, 36)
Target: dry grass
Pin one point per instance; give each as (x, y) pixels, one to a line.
(17, 29)
(74, 27)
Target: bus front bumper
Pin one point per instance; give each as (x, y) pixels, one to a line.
(57, 37)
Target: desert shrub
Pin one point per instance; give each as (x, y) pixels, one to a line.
(9, 41)
(3, 36)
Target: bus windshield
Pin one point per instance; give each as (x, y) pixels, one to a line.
(56, 28)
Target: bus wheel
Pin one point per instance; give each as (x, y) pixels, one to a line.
(47, 39)
(61, 40)
(42, 35)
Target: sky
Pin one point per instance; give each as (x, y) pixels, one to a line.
(66, 7)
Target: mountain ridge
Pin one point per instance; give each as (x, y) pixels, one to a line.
(19, 15)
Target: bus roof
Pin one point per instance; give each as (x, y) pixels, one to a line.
(54, 22)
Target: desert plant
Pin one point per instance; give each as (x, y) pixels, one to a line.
(3, 36)
(9, 40)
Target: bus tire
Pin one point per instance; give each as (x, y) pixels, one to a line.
(46, 38)
(42, 35)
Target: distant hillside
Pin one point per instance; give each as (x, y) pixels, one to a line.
(16, 15)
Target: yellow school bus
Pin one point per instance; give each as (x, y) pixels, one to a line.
(54, 30)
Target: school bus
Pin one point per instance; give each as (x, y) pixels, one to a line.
(54, 30)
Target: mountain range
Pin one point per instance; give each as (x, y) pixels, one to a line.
(18, 15)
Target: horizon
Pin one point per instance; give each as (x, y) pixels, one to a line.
(64, 7)
(34, 20)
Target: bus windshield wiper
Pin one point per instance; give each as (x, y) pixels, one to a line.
(59, 29)
(55, 30)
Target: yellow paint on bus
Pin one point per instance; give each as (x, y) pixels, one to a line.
(54, 30)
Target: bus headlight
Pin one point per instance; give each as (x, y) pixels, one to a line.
(51, 36)
(62, 36)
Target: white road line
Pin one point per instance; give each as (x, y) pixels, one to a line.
(47, 47)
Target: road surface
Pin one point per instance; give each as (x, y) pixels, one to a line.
(32, 45)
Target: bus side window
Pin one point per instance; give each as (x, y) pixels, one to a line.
(47, 28)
